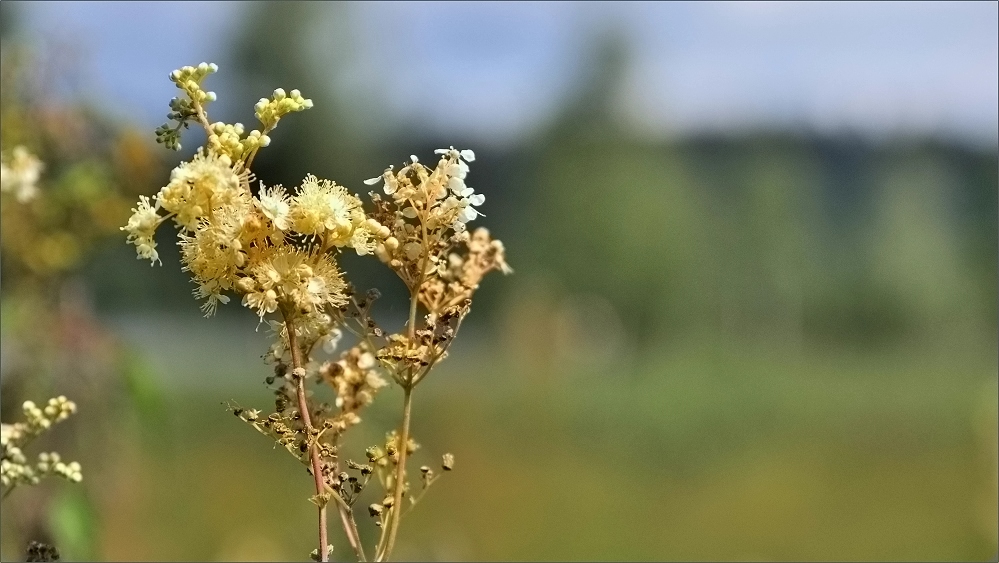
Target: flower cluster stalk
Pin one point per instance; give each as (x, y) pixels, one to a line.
(396, 514)
(303, 409)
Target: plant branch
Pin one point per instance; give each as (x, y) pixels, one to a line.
(413, 302)
(346, 515)
(433, 361)
(400, 475)
(249, 158)
(416, 499)
(349, 525)
(303, 409)
(202, 115)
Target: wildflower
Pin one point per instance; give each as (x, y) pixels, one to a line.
(278, 251)
(141, 228)
(20, 174)
(466, 154)
(14, 466)
(322, 206)
(262, 301)
(274, 205)
(213, 255)
(199, 186)
(307, 285)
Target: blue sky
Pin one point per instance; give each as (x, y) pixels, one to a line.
(501, 68)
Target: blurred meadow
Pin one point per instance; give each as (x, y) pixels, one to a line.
(754, 314)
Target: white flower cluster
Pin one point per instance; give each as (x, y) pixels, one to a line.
(464, 198)
(441, 191)
(20, 174)
(14, 467)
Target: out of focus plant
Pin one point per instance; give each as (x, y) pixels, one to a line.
(14, 467)
(92, 168)
(68, 172)
(55, 215)
(278, 249)
(19, 174)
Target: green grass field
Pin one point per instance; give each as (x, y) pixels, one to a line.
(705, 456)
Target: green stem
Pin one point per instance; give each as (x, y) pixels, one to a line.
(413, 302)
(400, 474)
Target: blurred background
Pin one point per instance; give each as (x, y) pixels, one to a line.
(754, 314)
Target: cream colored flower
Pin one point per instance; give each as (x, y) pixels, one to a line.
(273, 203)
(199, 186)
(20, 174)
(283, 270)
(322, 207)
(325, 286)
(262, 301)
(214, 254)
(141, 228)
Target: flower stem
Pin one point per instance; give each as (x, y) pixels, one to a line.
(346, 516)
(353, 536)
(394, 516)
(400, 474)
(303, 409)
(413, 302)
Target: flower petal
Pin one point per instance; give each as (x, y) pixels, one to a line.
(456, 185)
(469, 214)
